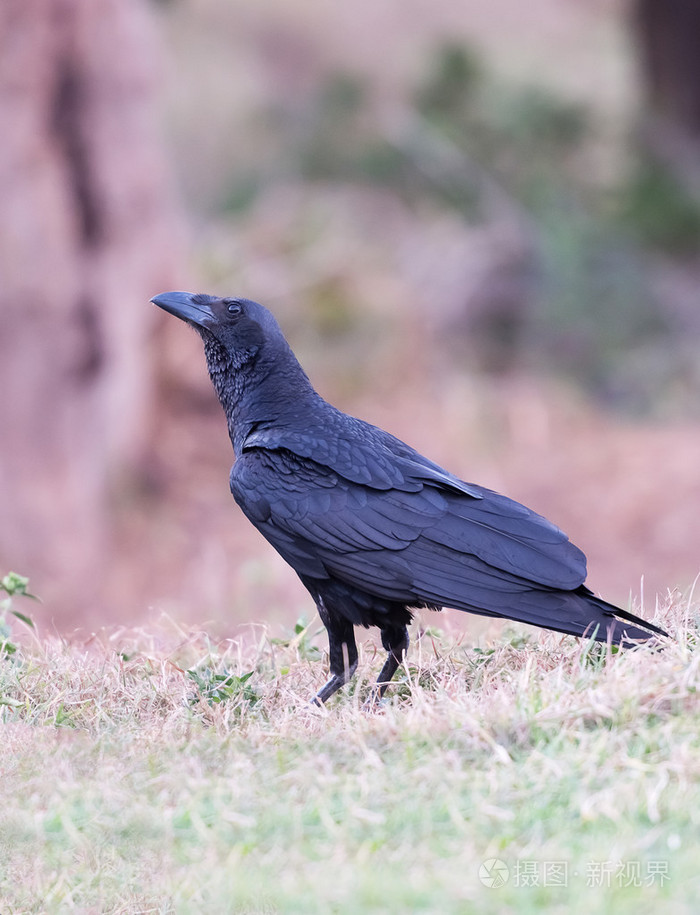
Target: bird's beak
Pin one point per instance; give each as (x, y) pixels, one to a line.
(182, 306)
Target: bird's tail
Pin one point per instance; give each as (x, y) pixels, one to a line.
(578, 612)
(586, 615)
(620, 626)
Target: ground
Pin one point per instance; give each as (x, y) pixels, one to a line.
(159, 771)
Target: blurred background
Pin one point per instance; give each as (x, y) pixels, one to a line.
(478, 224)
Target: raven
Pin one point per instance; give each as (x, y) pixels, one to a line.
(371, 527)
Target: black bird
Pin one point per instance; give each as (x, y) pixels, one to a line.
(371, 527)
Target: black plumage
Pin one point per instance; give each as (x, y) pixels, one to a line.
(371, 526)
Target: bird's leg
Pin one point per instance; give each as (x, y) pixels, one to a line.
(341, 649)
(395, 640)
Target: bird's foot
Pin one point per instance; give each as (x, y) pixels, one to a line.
(375, 699)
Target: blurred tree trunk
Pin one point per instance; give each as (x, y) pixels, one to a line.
(668, 38)
(87, 235)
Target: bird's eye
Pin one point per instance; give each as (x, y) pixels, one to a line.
(234, 308)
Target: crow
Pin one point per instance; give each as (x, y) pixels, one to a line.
(371, 527)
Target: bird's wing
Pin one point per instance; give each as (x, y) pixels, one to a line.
(426, 542)
(358, 451)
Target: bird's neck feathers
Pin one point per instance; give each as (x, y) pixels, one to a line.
(258, 385)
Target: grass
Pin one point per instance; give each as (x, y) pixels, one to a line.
(158, 772)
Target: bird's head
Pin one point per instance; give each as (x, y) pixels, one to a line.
(240, 326)
(252, 368)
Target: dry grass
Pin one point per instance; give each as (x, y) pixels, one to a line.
(128, 788)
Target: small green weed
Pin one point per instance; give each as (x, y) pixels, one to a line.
(301, 641)
(215, 687)
(13, 585)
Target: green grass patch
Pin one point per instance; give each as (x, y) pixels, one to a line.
(158, 772)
